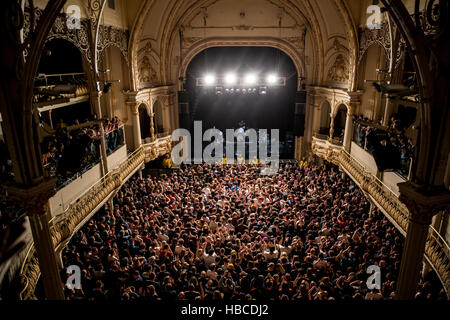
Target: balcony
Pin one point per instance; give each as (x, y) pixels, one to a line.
(155, 149)
(94, 194)
(80, 210)
(437, 250)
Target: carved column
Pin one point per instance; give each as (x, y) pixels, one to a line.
(388, 111)
(152, 125)
(331, 127)
(35, 201)
(348, 132)
(316, 118)
(422, 208)
(136, 124)
(96, 100)
(166, 113)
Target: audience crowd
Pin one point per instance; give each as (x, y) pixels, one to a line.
(211, 232)
(396, 136)
(69, 152)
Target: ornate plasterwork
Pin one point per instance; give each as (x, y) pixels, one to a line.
(79, 37)
(297, 42)
(146, 73)
(400, 54)
(147, 60)
(338, 46)
(189, 41)
(111, 36)
(381, 37)
(339, 70)
(107, 36)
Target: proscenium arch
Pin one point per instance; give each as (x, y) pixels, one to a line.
(304, 16)
(281, 45)
(178, 15)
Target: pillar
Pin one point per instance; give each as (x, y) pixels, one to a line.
(136, 125)
(152, 125)
(413, 251)
(298, 151)
(348, 132)
(331, 127)
(166, 116)
(422, 208)
(387, 112)
(35, 200)
(447, 173)
(316, 118)
(50, 118)
(96, 100)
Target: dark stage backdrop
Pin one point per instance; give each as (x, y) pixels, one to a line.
(275, 110)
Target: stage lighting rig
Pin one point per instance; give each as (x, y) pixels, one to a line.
(251, 79)
(210, 79)
(248, 83)
(272, 79)
(230, 79)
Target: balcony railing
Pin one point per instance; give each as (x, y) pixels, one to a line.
(157, 148)
(437, 251)
(63, 226)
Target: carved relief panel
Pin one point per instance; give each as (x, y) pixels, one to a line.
(147, 74)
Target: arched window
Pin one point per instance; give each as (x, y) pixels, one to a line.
(144, 120)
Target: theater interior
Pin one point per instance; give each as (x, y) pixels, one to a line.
(96, 206)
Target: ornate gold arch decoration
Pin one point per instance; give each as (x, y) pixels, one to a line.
(305, 16)
(280, 44)
(111, 36)
(380, 37)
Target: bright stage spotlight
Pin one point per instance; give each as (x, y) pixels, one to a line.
(230, 78)
(210, 79)
(272, 79)
(250, 79)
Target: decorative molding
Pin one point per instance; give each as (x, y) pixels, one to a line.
(112, 36)
(147, 75)
(339, 70)
(297, 42)
(189, 41)
(157, 148)
(382, 37)
(80, 38)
